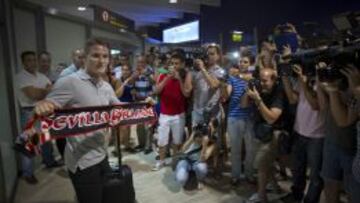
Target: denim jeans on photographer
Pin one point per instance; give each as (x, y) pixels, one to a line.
(239, 129)
(46, 149)
(184, 167)
(307, 152)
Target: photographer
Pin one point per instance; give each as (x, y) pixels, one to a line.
(353, 76)
(206, 84)
(196, 152)
(308, 137)
(173, 88)
(340, 139)
(270, 105)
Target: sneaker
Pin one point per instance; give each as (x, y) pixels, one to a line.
(255, 198)
(159, 165)
(148, 151)
(31, 179)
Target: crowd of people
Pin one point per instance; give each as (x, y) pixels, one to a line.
(207, 112)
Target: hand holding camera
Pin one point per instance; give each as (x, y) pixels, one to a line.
(299, 72)
(353, 76)
(253, 93)
(200, 64)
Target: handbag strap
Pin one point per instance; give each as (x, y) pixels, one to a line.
(193, 151)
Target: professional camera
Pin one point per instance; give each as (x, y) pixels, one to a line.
(336, 58)
(200, 54)
(182, 73)
(255, 83)
(201, 128)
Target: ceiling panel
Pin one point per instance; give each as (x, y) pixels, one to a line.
(143, 12)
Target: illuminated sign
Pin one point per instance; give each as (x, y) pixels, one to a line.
(113, 19)
(183, 33)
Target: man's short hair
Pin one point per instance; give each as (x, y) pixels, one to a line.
(178, 56)
(44, 53)
(27, 53)
(95, 41)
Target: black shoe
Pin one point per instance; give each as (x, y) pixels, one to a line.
(139, 148)
(290, 198)
(130, 150)
(168, 154)
(235, 182)
(54, 165)
(148, 151)
(31, 180)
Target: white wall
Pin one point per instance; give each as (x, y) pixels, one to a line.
(62, 37)
(25, 33)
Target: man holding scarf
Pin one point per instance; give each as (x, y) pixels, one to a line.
(85, 155)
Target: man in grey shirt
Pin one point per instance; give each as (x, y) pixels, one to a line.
(85, 156)
(207, 85)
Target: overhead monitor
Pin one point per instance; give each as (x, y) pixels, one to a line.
(182, 33)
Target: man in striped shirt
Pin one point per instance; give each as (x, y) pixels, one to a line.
(144, 87)
(239, 125)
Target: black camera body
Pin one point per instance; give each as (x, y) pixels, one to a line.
(201, 129)
(255, 83)
(336, 58)
(182, 73)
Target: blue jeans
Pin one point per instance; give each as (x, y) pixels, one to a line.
(183, 168)
(238, 130)
(337, 166)
(46, 149)
(307, 152)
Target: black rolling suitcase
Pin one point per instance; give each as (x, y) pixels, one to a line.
(119, 187)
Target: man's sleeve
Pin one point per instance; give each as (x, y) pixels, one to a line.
(22, 82)
(62, 92)
(113, 98)
(279, 100)
(219, 73)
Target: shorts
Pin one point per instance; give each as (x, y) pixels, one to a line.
(266, 153)
(174, 122)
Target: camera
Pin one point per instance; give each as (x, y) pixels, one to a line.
(285, 69)
(201, 129)
(255, 84)
(182, 73)
(198, 54)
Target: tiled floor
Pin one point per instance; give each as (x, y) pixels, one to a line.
(151, 187)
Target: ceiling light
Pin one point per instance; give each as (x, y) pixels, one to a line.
(52, 11)
(235, 54)
(81, 8)
(173, 1)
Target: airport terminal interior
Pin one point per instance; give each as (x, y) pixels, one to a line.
(179, 101)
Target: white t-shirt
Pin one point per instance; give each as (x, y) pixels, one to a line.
(308, 122)
(26, 79)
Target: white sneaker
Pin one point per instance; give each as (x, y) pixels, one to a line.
(159, 165)
(255, 198)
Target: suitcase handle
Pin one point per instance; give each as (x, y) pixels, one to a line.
(118, 151)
